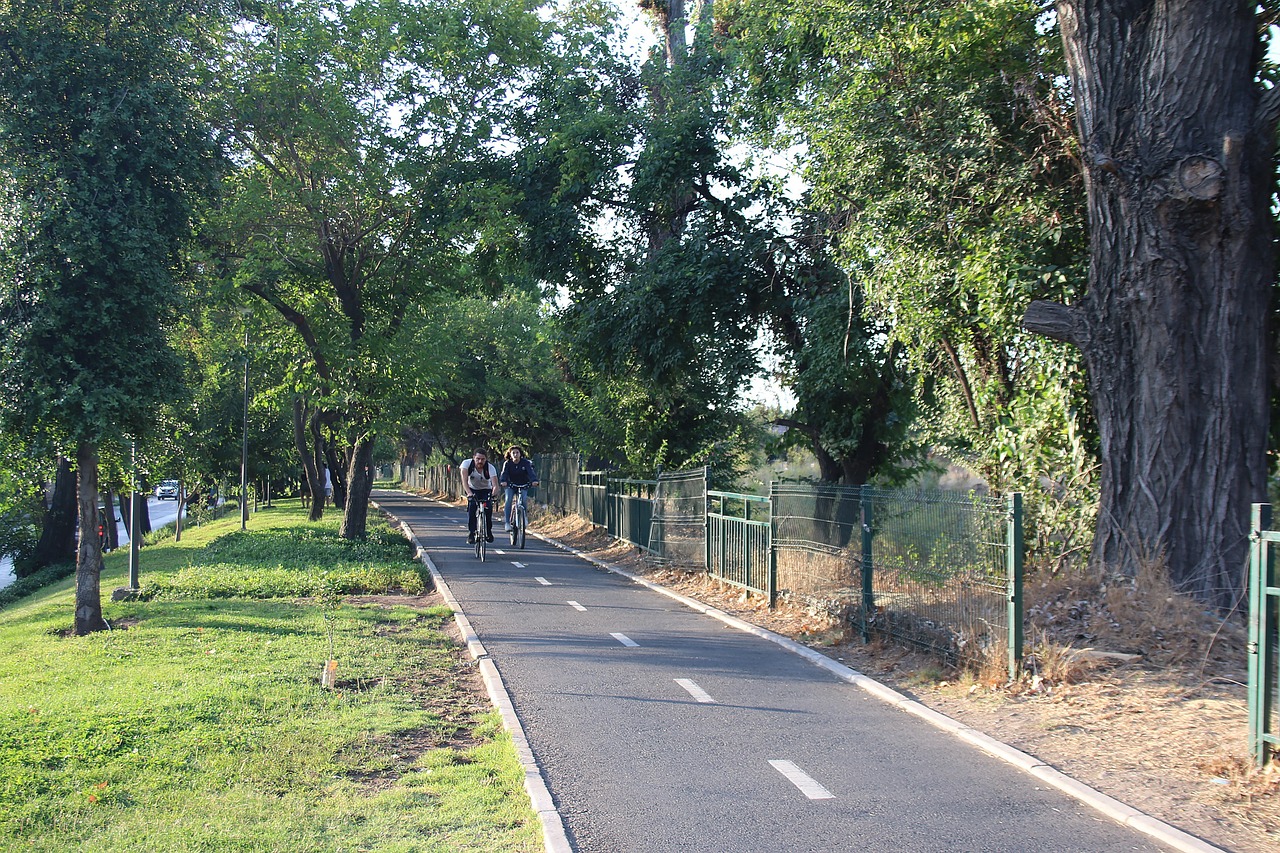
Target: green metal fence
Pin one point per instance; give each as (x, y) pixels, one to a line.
(631, 510)
(739, 542)
(945, 571)
(593, 497)
(441, 479)
(938, 570)
(1264, 638)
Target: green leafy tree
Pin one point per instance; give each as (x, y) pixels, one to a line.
(370, 178)
(102, 157)
(713, 263)
(937, 138)
(498, 382)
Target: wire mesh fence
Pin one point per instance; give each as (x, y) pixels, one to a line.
(678, 533)
(558, 476)
(940, 574)
(816, 533)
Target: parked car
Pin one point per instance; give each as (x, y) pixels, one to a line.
(167, 489)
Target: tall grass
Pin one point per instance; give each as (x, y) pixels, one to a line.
(198, 723)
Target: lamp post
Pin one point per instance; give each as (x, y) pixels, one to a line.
(244, 447)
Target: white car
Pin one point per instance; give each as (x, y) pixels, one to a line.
(167, 489)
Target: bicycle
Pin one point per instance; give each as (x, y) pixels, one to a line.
(482, 526)
(519, 516)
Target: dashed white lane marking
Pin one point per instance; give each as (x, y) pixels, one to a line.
(695, 691)
(543, 581)
(498, 551)
(576, 606)
(807, 785)
(625, 640)
(517, 565)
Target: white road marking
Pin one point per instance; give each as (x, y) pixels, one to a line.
(518, 565)
(695, 691)
(543, 581)
(625, 640)
(576, 606)
(498, 551)
(802, 780)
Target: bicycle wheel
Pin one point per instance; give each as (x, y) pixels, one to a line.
(522, 522)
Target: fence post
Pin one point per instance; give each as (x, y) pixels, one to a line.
(1260, 668)
(868, 593)
(1015, 567)
(706, 520)
(771, 581)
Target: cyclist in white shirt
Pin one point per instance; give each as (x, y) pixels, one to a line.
(479, 482)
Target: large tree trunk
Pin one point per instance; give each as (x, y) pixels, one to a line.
(1177, 147)
(58, 535)
(359, 480)
(89, 554)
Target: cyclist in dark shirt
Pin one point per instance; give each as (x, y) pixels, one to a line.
(517, 470)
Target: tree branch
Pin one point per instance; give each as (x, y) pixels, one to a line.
(1053, 320)
(296, 319)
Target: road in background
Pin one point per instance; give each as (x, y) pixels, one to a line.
(161, 512)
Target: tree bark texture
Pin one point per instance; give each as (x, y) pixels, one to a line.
(58, 535)
(1177, 154)
(88, 616)
(359, 479)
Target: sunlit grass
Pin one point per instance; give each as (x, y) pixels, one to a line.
(199, 723)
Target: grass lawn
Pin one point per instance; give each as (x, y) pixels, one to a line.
(199, 722)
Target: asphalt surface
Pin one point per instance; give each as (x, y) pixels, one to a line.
(658, 728)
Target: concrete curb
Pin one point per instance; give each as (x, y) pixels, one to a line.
(554, 838)
(1156, 829)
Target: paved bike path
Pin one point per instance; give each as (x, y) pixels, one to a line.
(658, 728)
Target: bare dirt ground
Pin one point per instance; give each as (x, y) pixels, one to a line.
(1159, 725)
